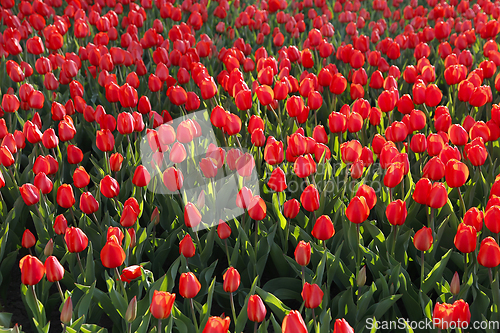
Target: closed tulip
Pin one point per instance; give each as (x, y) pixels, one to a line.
(456, 173)
(217, 325)
(192, 217)
(189, 286)
(76, 240)
(489, 253)
(30, 194)
(256, 310)
(369, 194)
(310, 198)
(105, 141)
(141, 176)
(161, 304)
(492, 219)
(396, 212)
(28, 239)
(60, 225)
(293, 323)
(277, 180)
(303, 253)
(323, 228)
(109, 187)
(32, 270)
(437, 196)
(80, 177)
(257, 209)
(312, 295)
(65, 196)
(186, 247)
(231, 280)
(53, 269)
(291, 208)
(131, 273)
(173, 179)
(88, 204)
(474, 217)
(465, 239)
(423, 239)
(342, 326)
(357, 211)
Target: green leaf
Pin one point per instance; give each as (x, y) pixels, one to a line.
(278, 308)
(436, 273)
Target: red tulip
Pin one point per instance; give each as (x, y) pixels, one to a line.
(465, 239)
(112, 254)
(223, 230)
(293, 323)
(80, 177)
(217, 325)
(474, 217)
(115, 162)
(30, 194)
(28, 239)
(277, 180)
(162, 304)
(257, 209)
(423, 239)
(131, 273)
(357, 211)
(310, 198)
(342, 326)
(141, 176)
(323, 228)
(312, 295)
(109, 187)
(369, 194)
(192, 217)
(456, 174)
(256, 310)
(189, 286)
(291, 208)
(396, 212)
(32, 270)
(437, 196)
(65, 196)
(53, 269)
(186, 247)
(173, 179)
(76, 240)
(231, 280)
(60, 225)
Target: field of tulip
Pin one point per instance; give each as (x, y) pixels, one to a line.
(249, 166)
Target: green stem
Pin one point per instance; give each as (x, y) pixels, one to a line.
(227, 253)
(422, 270)
(122, 286)
(60, 290)
(80, 264)
(466, 268)
(232, 306)
(159, 325)
(194, 314)
(462, 203)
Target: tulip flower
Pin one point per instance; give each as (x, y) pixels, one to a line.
(256, 310)
(323, 228)
(396, 212)
(310, 198)
(67, 312)
(76, 240)
(109, 187)
(293, 323)
(30, 194)
(312, 295)
(342, 326)
(277, 180)
(217, 325)
(112, 254)
(186, 247)
(189, 286)
(28, 239)
(32, 270)
(357, 211)
(53, 269)
(474, 217)
(423, 239)
(161, 304)
(141, 176)
(65, 196)
(489, 253)
(465, 238)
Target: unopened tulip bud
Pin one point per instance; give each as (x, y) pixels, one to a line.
(131, 232)
(131, 310)
(49, 248)
(67, 311)
(200, 203)
(455, 284)
(361, 278)
(155, 216)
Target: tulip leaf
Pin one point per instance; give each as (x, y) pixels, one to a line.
(92, 328)
(182, 323)
(436, 273)
(84, 302)
(364, 301)
(90, 264)
(143, 327)
(278, 308)
(318, 279)
(105, 303)
(277, 210)
(276, 326)
(207, 306)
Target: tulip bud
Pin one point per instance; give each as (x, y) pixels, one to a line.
(49, 248)
(361, 278)
(67, 311)
(455, 284)
(131, 232)
(155, 216)
(131, 310)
